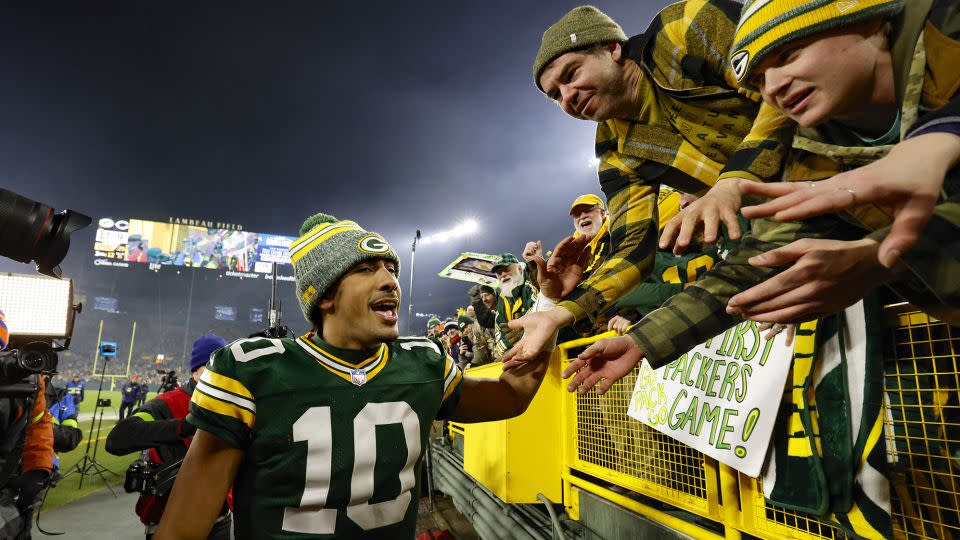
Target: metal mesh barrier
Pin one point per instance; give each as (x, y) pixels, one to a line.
(610, 445)
(922, 432)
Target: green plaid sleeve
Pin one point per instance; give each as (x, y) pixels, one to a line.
(934, 262)
(760, 156)
(699, 312)
(632, 206)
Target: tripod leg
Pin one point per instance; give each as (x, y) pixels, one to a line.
(104, 478)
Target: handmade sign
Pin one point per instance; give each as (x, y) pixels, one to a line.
(721, 398)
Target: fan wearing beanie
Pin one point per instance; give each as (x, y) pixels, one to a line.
(294, 424)
(874, 85)
(668, 112)
(160, 428)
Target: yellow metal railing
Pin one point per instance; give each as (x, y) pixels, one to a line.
(605, 446)
(590, 444)
(922, 378)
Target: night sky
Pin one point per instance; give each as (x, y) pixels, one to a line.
(397, 115)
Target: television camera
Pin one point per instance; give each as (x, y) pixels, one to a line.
(39, 311)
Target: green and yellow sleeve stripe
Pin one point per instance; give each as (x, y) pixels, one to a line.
(451, 378)
(225, 396)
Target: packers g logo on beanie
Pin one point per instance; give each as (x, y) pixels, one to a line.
(767, 25)
(372, 243)
(326, 249)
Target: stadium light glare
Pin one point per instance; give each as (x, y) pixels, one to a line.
(469, 226)
(37, 306)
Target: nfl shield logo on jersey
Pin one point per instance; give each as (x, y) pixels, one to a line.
(358, 377)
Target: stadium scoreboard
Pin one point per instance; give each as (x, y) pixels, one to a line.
(191, 244)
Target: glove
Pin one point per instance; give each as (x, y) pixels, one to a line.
(186, 429)
(29, 484)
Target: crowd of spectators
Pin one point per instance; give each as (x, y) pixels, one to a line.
(478, 333)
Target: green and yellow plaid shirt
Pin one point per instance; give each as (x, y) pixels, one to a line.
(694, 129)
(927, 75)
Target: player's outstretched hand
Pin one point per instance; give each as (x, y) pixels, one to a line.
(907, 181)
(605, 362)
(539, 335)
(559, 276)
(721, 203)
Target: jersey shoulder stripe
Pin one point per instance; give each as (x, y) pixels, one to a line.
(218, 402)
(226, 384)
(213, 391)
(451, 378)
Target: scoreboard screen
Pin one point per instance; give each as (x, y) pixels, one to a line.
(157, 245)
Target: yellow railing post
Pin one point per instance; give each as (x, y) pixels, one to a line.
(730, 492)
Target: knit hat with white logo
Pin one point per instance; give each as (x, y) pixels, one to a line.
(580, 28)
(326, 249)
(766, 25)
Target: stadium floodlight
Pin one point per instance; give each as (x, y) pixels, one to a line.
(469, 226)
(36, 307)
(464, 228)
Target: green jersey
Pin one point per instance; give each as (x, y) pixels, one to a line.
(333, 439)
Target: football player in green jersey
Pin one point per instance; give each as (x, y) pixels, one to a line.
(323, 436)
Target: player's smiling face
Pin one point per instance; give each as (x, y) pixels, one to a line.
(363, 311)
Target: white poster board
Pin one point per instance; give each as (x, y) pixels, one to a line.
(721, 398)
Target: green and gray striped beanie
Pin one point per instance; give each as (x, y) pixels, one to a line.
(326, 249)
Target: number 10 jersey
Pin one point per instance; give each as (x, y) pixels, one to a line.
(333, 439)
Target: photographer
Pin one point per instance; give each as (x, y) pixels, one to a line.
(26, 453)
(159, 427)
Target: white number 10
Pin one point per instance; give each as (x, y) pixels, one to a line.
(314, 428)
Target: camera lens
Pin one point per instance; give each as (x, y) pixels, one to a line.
(31, 231)
(38, 357)
(32, 361)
